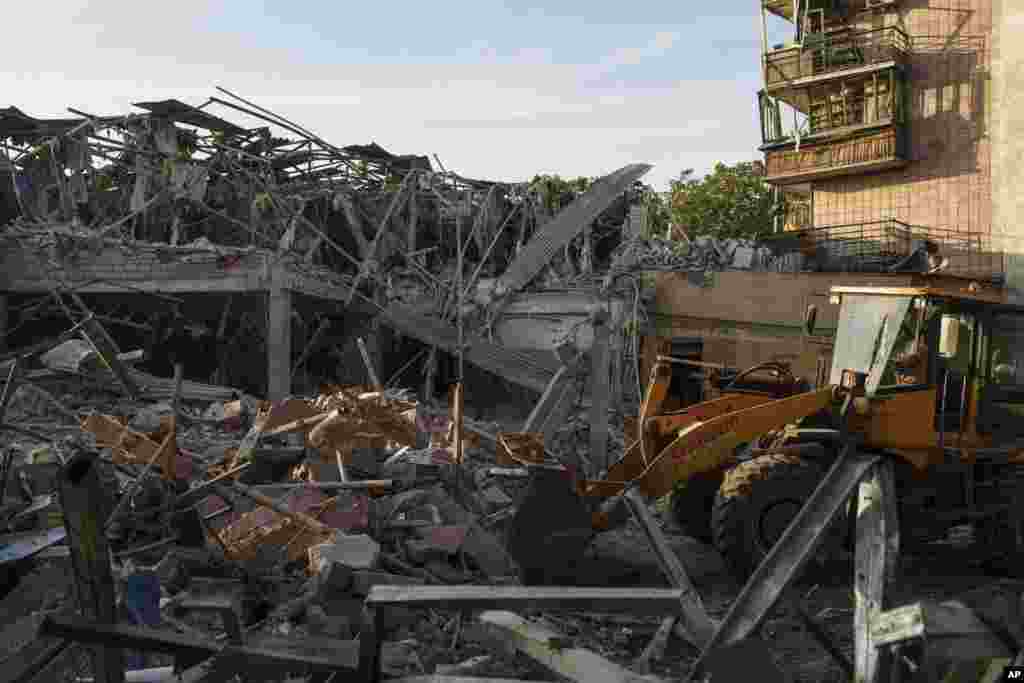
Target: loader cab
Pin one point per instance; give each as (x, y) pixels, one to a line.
(959, 352)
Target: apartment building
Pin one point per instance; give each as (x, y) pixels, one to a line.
(898, 113)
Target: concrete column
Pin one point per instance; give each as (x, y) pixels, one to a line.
(279, 343)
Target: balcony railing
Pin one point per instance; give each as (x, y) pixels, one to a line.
(823, 54)
(876, 151)
(884, 246)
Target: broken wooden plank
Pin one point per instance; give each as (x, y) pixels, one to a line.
(544, 646)
(873, 568)
(654, 601)
(697, 626)
(85, 515)
(569, 222)
(950, 630)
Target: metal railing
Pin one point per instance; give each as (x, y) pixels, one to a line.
(829, 156)
(823, 53)
(885, 246)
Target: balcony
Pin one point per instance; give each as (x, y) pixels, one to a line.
(837, 53)
(886, 246)
(868, 151)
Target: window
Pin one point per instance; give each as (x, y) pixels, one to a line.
(1002, 391)
(1006, 365)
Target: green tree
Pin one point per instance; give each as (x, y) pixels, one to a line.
(731, 201)
(557, 192)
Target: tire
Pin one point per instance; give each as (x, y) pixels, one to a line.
(756, 502)
(692, 503)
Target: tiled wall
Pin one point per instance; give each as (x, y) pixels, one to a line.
(947, 185)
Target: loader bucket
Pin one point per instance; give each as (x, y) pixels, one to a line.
(550, 529)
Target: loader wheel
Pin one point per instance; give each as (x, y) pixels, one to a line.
(692, 503)
(756, 502)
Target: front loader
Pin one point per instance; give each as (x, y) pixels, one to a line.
(928, 375)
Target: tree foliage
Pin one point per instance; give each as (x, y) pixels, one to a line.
(731, 201)
(556, 192)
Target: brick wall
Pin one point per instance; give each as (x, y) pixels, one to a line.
(947, 184)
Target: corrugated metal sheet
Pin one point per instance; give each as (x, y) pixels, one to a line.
(186, 113)
(569, 222)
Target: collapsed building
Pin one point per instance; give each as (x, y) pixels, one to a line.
(277, 254)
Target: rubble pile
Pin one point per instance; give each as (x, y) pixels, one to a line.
(700, 254)
(292, 512)
(293, 528)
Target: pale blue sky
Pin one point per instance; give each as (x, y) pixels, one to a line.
(498, 90)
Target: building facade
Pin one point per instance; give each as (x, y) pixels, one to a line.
(905, 111)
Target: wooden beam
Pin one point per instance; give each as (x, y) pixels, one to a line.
(696, 626)
(85, 515)
(321, 653)
(544, 645)
(628, 600)
(874, 567)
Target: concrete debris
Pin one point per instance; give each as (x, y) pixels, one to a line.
(357, 551)
(704, 253)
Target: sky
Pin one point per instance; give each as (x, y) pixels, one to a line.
(497, 90)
